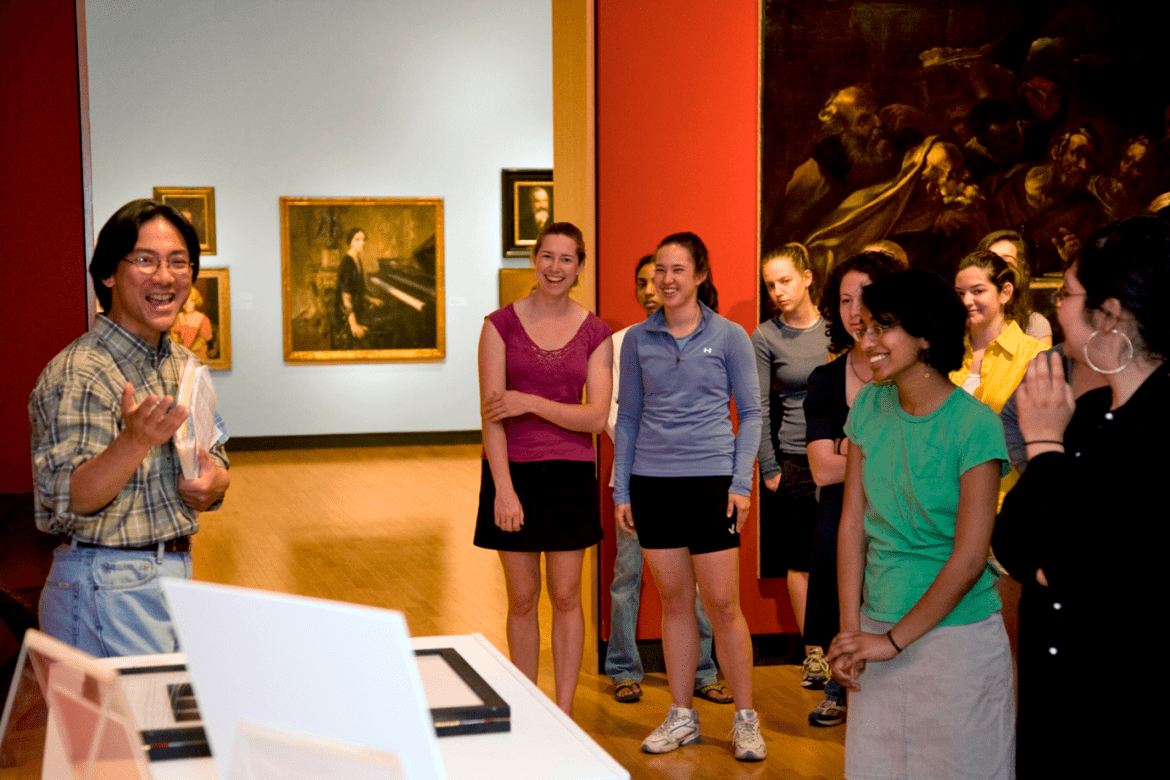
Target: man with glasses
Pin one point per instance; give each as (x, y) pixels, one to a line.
(106, 473)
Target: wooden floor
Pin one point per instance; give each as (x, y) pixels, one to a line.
(392, 527)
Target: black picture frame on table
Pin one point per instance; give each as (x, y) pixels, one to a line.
(490, 713)
(521, 198)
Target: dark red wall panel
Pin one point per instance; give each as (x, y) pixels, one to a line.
(42, 235)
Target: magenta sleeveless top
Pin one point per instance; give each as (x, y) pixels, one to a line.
(558, 375)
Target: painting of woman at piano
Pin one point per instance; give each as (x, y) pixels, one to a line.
(363, 279)
(355, 310)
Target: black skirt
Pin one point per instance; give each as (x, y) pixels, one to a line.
(787, 519)
(560, 503)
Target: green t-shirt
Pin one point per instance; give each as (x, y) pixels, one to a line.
(911, 479)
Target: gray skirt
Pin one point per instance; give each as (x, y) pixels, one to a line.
(943, 708)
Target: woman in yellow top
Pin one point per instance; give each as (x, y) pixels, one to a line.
(997, 349)
(994, 362)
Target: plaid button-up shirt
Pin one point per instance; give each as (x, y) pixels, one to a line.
(75, 412)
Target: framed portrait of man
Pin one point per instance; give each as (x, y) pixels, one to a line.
(197, 204)
(527, 207)
(362, 280)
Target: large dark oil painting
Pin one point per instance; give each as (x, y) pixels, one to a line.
(932, 123)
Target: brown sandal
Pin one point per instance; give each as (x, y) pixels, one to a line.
(627, 691)
(716, 692)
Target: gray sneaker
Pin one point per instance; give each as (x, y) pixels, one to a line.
(745, 733)
(829, 712)
(681, 727)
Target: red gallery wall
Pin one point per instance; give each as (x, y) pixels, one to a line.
(677, 128)
(42, 222)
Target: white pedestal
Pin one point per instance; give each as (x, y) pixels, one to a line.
(544, 743)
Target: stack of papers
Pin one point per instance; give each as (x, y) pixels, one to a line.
(197, 393)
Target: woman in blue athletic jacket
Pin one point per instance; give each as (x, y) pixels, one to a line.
(683, 479)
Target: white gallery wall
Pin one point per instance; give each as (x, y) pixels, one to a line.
(350, 98)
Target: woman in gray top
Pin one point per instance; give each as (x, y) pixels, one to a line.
(788, 347)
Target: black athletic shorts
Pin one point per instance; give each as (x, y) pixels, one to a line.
(691, 512)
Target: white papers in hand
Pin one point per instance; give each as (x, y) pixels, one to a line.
(197, 393)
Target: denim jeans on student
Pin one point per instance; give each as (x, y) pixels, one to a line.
(622, 661)
(108, 602)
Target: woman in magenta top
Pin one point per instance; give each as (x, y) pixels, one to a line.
(538, 492)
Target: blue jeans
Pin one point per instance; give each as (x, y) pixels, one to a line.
(622, 661)
(108, 602)
(835, 691)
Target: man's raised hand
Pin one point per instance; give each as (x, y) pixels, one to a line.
(151, 422)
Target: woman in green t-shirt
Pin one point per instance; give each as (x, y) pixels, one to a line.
(922, 475)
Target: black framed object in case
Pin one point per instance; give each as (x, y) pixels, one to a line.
(461, 701)
(164, 703)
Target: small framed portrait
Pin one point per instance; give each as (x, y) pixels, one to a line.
(515, 283)
(197, 204)
(362, 280)
(527, 207)
(204, 324)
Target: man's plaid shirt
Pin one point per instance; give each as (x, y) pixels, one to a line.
(75, 412)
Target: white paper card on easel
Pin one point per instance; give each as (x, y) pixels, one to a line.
(340, 671)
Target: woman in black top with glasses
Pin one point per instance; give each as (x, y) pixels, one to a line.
(1085, 528)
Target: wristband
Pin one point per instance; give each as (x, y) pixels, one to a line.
(1044, 441)
(890, 636)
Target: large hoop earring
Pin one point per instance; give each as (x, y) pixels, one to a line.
(1122, 364)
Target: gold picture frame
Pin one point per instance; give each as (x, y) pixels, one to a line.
(204, 325)
(197, 204)
(374, 299)
(515, 283)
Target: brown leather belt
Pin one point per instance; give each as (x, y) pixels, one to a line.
(180, 545)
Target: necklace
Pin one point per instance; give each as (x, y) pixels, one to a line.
(854, 368)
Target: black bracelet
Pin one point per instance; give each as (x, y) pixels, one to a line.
(1044, 441)
(890, 636)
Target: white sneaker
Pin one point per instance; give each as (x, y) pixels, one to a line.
(749, 745)
(681, 727)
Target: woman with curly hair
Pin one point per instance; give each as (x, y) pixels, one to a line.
(831, 390)
(922, 645)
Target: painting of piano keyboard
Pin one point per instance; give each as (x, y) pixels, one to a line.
(362, 280)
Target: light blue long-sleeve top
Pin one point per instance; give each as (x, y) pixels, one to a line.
(673, 405)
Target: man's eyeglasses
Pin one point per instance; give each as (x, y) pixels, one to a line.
(149, 264)
(1062, 293)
